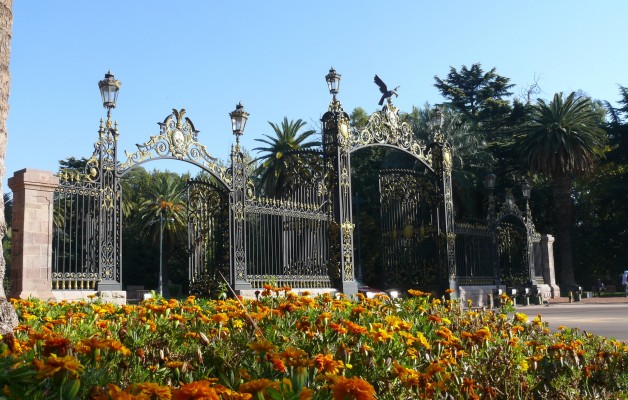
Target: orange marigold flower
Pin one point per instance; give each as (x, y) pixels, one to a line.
(434, 318)
(261, 346)
(417, 293)
(278, 365)
(482, 334)
(357, 310)
(292, 352)
(174, 364)
(306, 394)
(153, 390)
(54, 365)
(352, 388)
(220, 318)
(354, 328)
(338, 328)
(258, 386)
(116, 345)
(326, 363)
(196, 390)
(57, 345)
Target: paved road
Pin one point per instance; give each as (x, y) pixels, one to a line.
(610, 320)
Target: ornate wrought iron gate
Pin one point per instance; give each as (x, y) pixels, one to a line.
(302, 239)
(409, 231)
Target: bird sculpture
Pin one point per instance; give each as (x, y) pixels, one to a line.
(384, 89)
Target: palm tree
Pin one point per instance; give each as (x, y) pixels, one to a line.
(563, 138)
(164, 211)
(284, 155)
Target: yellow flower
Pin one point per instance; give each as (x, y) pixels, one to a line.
(55, 365)
(381, 335)
(521, 317)
(523, 365)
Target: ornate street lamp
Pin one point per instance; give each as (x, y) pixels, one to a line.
(109, 88)
(333, 82)
(238, 121)
(437, 118)
(437, 124)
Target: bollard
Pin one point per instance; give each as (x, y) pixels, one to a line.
(577, 297)
(570, 297)
(540, 299)
(490, 301)
(527, 300)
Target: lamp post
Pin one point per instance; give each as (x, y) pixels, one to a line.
(109, 88)
(437, 124)
(333, 82)
(238, 121)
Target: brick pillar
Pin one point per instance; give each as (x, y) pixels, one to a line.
(31, 246)
(547, 256)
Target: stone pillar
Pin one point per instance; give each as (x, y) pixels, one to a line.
(31, 245)
(547, 258)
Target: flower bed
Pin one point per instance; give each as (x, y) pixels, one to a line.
(286, 346)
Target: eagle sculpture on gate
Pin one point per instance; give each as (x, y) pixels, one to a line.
(384, 89)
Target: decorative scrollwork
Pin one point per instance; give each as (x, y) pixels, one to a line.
(385, 127)
(177, 140)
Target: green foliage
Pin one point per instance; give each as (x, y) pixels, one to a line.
(478, 95)
(152, 201)
(285, 155)
(563, 136)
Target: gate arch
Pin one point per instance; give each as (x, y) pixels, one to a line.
(99, 266)
(513, 224)
(384, 128)
(177, 140)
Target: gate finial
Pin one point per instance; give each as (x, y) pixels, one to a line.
(179, 116)
(386, 94)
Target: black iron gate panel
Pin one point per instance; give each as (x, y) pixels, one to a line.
(474, 254)
(409, 229)
(287, 244)
(75, 233)
(208, 230)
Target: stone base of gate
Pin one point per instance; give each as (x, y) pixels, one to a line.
(250, 293)
(548, 291)
(112, 296)
(478, 294)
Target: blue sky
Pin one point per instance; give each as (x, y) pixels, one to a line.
(206, 56)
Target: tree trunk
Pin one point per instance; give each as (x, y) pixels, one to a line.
(8, 318)
(564, 215)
